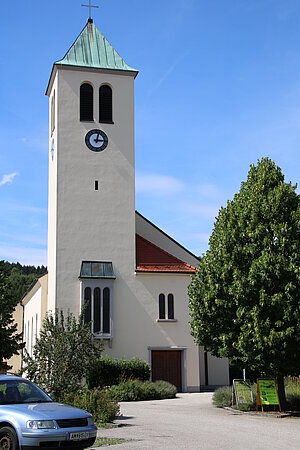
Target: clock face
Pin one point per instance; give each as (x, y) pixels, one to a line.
(96, 140)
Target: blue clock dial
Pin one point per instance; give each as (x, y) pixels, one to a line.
(96, 140)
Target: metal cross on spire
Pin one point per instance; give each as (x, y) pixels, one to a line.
(90, 6)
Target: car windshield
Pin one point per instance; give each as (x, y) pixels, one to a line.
(21, 391)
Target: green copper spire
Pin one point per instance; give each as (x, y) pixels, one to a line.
(92, 49)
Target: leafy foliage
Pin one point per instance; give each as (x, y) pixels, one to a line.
(107, 371)
(62, 355)
(135, 390)
(244, 301)
(20, 277)
(10, 340)
(98, 403)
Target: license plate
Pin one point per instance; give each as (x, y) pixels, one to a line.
(79, 436)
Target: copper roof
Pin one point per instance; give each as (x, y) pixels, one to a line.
(92, 49)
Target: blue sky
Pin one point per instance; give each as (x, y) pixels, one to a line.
(218, 88)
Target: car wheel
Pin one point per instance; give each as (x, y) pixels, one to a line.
(8, 439)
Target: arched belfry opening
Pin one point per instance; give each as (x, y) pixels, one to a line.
(86, 103)
(105, 104)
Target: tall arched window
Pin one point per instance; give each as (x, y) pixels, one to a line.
(105, 104)
(86, 102)
(162, 306)
(87, 305)
(106, 310)
(170, 306)
(97, 310)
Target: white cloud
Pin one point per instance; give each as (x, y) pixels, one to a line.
(23, 255)
(158, 184)
(7, 178)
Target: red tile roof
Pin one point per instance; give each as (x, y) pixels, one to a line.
(150, 258)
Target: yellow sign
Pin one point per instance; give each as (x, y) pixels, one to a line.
(267, 393)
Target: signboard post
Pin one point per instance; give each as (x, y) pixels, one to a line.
(267, 394)
(241, 392)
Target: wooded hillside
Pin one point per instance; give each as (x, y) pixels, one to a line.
(19, 278)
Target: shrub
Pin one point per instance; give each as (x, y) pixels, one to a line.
(135, 390)
(99, 403)
(54, 365)
(292, 390)
(107, 371)
(222, 397)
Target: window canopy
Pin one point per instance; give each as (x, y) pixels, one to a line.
(96, 269)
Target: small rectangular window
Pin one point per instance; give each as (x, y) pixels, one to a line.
(96, 185)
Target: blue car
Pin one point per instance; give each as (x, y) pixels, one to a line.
(30, 419)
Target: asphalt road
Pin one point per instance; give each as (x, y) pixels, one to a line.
(191, 422)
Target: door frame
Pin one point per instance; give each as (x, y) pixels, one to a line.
(183, 362)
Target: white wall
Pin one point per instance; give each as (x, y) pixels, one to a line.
(32, 319)
(218, 371)
(136, 326)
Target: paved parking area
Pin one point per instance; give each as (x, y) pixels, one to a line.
(191, 422)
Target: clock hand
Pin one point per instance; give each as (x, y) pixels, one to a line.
(97, 139)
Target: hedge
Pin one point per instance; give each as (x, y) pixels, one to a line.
(135, 390)
(108, 372)
(99, 403)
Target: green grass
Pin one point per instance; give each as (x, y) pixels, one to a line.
(100, 442)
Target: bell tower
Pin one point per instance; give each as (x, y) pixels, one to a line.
(91, 210)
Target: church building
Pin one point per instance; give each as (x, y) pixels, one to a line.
(132, 276)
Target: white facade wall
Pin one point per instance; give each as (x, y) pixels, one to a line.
(218, 371)
(32, 319)
(136, 326)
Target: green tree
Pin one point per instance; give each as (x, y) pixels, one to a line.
(10, 340)
(63, 354)
(244, 301)
(20, 277)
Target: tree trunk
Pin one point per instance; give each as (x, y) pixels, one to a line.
(281, 392)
